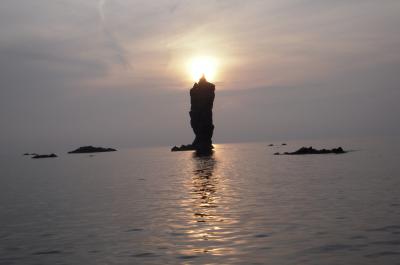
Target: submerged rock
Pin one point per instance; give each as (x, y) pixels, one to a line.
(311, 151)
(91, 149)
(201, 117)
(44, 156)
(30, 154)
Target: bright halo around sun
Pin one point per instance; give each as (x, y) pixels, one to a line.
(203, 65)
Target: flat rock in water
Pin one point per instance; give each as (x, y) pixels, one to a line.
(183, 147)
(91, 149)
(311, 151)
(189, 147)
(44, 156)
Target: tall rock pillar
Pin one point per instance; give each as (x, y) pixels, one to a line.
(201, 116)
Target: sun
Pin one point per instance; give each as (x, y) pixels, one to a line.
(206, 65)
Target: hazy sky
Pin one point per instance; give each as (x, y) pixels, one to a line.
(114, 72)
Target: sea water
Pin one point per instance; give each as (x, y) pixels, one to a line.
(242, 205)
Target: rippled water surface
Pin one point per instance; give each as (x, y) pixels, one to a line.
(242, 205)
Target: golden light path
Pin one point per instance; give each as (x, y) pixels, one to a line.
(200, 65)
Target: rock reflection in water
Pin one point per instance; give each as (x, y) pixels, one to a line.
(209, 219)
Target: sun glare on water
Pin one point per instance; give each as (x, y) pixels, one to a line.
(203, 65)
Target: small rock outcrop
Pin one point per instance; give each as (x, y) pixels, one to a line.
(201, 117)
(311, 151)
(44, 156)
(91, 149)
(183, 147)
(189, 147)
(30, 154)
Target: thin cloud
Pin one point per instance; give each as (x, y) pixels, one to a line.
(112, 40)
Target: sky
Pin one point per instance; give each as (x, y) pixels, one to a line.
(114, 72)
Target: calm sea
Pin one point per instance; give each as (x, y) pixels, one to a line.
(242, 205)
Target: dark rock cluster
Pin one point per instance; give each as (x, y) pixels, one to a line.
(311, 151)
(30, 154)
(91, 149)
(201, 116)
(184, 147)
(36, 156)
(283, 144)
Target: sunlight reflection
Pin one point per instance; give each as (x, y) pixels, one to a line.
(209, 218)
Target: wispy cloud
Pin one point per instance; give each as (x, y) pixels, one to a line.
(112, 40)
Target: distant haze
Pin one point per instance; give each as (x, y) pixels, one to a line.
(112, 72)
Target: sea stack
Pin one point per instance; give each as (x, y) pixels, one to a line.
(201, 116)
(202, 97)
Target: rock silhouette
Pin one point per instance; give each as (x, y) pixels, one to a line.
(311, 151)
(187, 147)
(91, 149)
(30, 154)
(201, 116)
(44, 156)
(202, 99)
